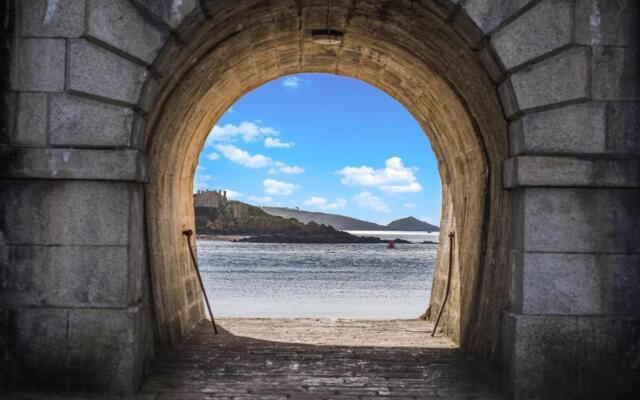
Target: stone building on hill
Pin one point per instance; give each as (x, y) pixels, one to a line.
(210, 198)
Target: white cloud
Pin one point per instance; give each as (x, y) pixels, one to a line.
(409, 205)
(239, 156)
(394, 178)
(316, 201)
(205, 177)
(213, 156)
(242, 157)
(275, 142)
(322, 203)
(278, 188)
(291, 169)
(247, 130)
(201, 181)
(279, 166)
(261, 200)
(232, 194)
(408, 188)
(367, 200)
(292, 82)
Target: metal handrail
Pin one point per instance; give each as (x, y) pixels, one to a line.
(446, 293)
(188, 233)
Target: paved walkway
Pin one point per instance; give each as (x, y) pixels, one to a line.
(310, 359)
(316, 359)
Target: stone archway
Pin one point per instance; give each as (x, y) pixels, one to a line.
(460, 113)
(530, 107)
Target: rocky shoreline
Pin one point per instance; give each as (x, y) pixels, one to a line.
(332, 239)
(300, 239)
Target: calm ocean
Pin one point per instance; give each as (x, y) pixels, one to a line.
(318, 280)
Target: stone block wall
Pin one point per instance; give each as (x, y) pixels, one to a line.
(75, 305)
(546, 274)
(570, 70)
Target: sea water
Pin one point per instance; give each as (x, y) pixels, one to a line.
(411, 236)
(317, 280)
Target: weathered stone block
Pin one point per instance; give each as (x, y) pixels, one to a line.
(489, 61)
(623, 125)
(541, 29)
(39, 65)
(149, 94)
(60, 163)
(563, 77)
(579, 220)
(76, 350)
(60, 18)
(574, 129)
(607, 23)
(170, 12)
(544, 357)
(99, 72)
(575, 357)
(119, 24)
(608, 361)
(508, 99)
(588, 284)
(66, 276)
(585, 128)
(570, 172)
(36, 354)
(79, 121)
(137, 266)
(138, 136)
(31, 122)
(8, 112)
(489, 14)
(467, 29)
(191, 25)
(64, 212)
(615, 74)
(167, 57)
(102, 350)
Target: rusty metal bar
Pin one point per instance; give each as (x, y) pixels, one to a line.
(188, 233)
(446, 293)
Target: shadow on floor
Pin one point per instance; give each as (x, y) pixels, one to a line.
(346, 363)
(310, 359)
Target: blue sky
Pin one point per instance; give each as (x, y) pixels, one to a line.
(325, 143)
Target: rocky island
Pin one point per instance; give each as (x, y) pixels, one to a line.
(217, 216)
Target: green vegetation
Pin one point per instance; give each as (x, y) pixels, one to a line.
(237, 218)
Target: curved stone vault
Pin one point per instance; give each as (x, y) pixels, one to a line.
(530, 106)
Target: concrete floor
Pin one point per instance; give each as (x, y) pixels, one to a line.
(312, 359)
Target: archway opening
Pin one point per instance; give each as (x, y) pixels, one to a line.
(324, 150)
(411, 53)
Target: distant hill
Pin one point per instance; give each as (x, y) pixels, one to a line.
(411, 224)
(343, 223)
(216, 215)
(339, 222)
